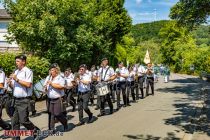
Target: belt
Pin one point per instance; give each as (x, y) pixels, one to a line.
(84, 92)
(53, 99)
(21, 98)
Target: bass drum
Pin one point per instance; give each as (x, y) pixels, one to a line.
(38, 89)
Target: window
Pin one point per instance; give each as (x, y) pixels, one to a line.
(3, 25)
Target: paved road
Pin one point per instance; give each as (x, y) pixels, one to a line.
(163, 116)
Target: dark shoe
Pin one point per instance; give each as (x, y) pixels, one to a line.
(73, 109)
(97, 108)
(118, 108)
(80, 123)
(65, 128)
(90, 118)
(124, 105)
(101, 114)
(128, 105)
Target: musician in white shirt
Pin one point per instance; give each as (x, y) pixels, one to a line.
(69, 88)
(141, 78)
(131, 83)
(122, 75)
(105, 74)
(54, 86)
(150, 78)
(83, 82)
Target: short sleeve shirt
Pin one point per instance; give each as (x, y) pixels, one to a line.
(26, 75)
(52, 92)
(69, 79)
(2, 80)
(123, 71)
(141, 70)
(83, 87)
(105, 75)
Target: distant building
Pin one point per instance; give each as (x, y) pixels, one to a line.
(5, 18)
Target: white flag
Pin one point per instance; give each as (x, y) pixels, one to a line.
(147, 58)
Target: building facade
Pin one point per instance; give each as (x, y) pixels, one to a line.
(4, 22)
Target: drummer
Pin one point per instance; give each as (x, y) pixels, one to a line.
(105, 74)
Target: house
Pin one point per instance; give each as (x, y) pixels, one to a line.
(5, 18)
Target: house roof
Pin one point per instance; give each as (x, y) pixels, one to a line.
(4, 14)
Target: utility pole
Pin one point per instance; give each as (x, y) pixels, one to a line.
(155, 14)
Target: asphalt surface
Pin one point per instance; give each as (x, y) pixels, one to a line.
(166, 115)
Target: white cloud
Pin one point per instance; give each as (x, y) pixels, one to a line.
(145, 13)
(138, 2)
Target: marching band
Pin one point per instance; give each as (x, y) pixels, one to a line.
(103, 82)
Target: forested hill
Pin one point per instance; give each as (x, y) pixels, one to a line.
(147, 31)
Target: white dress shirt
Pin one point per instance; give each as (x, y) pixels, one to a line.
(102, 72)
(131, 76)
(141, 70)
(2, 80)
(26, 75)
(52, 92)
(84, 87)
(69, 79)
(122, 71)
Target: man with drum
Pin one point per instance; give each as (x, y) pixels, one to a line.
(83, 80)
(3, 124)
(54, 86)
(122, 75)
(105, 74)
(141, 74)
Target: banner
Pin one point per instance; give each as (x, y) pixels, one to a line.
(147, 58)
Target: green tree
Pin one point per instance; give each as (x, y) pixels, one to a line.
(191, 12)
(69, 32)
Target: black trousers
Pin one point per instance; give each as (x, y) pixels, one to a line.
(150, 82)
(130, 89)
(103, 100)
(4, 125)
(83, 99)
(32, 106)
(121, 87)
(56, 111)
(21, 115)
(141, 85)
(70, 98)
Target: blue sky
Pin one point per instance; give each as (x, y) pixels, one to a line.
(142, 11)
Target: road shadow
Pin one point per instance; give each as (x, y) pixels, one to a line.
(170, 136)
(187, 116)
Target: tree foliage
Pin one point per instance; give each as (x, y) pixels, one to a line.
(191, 12)
(69, 32)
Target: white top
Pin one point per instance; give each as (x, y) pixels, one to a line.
(152, 70)
(2, 81)
(102, 71)
(83, 87)
(122, 71)
(52, 92)
(26, 75)
(131, 76)
(69, 79)
(141, 70)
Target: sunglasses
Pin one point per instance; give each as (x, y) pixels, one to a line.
(81, 69)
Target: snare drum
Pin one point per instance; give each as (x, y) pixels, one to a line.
(102, 89)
